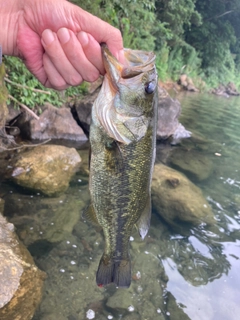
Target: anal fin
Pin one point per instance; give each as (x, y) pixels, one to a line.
(90, 215)
(143, 222)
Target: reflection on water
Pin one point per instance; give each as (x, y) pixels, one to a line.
(179, 273)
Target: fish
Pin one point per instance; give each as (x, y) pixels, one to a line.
(123, 146)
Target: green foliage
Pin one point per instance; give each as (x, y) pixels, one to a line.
(162, 63)
(216, 40)
(18, 73)
(183, 59)
(136, 19)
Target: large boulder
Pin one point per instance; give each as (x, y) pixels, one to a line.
(54, 123)
(169, 110)
(46, 168)
(21, 282)
(175, 198)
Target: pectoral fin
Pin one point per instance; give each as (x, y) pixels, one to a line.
(90, 215)
(143, 223)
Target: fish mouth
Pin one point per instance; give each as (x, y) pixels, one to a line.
(112, 66)
(136, 62)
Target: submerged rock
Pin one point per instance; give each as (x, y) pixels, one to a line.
(43, 221)
(192, 162)
(175, 198)
(46, 168)
(121, 300)
(21, 282)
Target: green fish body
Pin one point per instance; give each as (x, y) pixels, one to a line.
(122, 138)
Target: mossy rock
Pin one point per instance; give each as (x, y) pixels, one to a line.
(175, 198)
(46, 168)
(21, 282)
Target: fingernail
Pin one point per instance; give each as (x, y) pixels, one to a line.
(48, 37)
(63, 35)
(83, 38)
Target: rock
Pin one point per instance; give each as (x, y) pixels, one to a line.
(46, 168)
(21, 282)
(179, 134)
(175, 198)
(121, 300)
(231, 89)
(193, 163)
(43, 221)
(53, 123)
(168, 113)
(84, 108)
(13, 113)
(187, 83)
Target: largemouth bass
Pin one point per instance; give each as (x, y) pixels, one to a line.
(122, 138)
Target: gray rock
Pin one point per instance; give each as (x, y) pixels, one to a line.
(121, 300)
(180, 133)
(187, 83)
(46, 168)
(53, 123)
(21, 282)
(84, 108)
(168, 113)
(175, 198)
(192, 162)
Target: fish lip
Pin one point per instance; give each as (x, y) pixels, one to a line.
(112, 66)
(137, 62)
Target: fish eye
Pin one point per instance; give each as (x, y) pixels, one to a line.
(150, 87)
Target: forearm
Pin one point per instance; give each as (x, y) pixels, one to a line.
(10, 10)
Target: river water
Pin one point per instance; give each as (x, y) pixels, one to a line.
(179, 272)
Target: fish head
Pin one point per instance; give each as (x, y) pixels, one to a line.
(134, 83)
(129, 92)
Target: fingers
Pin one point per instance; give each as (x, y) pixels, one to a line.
(101, 31)
(54, 78)
(70, 59)
(60, 65)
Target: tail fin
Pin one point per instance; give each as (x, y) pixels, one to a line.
(118, 272)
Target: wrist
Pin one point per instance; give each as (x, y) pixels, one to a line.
(9, 17)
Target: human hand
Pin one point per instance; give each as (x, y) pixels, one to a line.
(60, 43)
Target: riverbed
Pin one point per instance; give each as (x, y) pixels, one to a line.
(179, 271)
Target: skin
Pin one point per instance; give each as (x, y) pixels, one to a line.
(58, 41)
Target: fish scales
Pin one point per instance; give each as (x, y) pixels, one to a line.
(122, 138)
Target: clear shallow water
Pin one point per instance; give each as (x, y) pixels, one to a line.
(179, 273)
